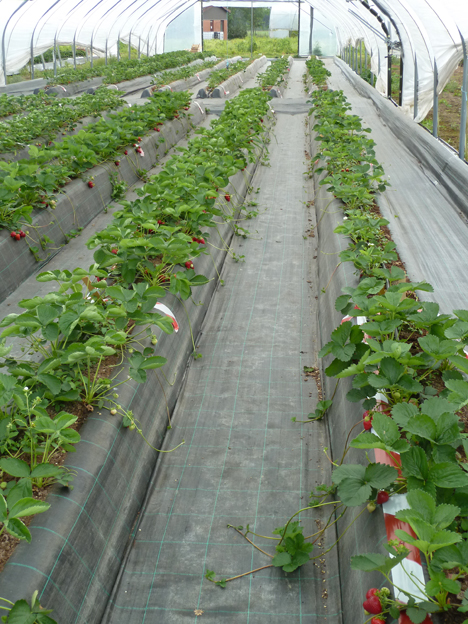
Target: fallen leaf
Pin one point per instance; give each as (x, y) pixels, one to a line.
(198, 612)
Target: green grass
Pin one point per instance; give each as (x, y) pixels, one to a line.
(261, 45)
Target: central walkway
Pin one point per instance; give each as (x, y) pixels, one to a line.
(244, 460)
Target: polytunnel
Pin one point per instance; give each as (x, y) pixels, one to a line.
(233, 312)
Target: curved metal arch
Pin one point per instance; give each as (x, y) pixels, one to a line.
(3, 40)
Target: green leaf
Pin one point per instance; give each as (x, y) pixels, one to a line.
(448, 475)
(155, 361)
(14, 467)
(368, 562)
(414, 463)
(341, 334)
(21, 613)
(391, 369)
(46, 313)
(380, 476)
(51, 381)
(422, 426)
(402, 412)
(417, 616)
(386, 428)
(46, 471)
(281, 559)
(423, 503)
(28, 507)
(20, 530)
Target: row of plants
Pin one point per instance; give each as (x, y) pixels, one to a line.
(183, 73)
(34, 182)
(125, 69)
(59, 115)
(414, 357)
(274, 75)
(76, 339)
(14, 104)
(220, 75)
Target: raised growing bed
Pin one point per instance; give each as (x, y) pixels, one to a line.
(369, 536)
(80, 204)
(77, 549)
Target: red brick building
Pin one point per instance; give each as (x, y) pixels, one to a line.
(215, 20)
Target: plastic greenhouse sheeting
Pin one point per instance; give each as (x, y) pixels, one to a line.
(430, 33)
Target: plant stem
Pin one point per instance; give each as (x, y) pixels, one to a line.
(250, 542)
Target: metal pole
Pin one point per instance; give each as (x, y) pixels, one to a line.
(400, 99)
(227, 33)
(435, 109)
(55, 60)
(129, 45)
(360, 58)
(106, 50)
(461, 148)
(60, 56)
(43, 62)
(118, 48)
(147, 47)
(251, 29)
(416, 85)
(311, 29)
(74, 53)
(202, 40)
(91, 53)
(389, 71)
(139, 46)
(298, 26)
(365, 58)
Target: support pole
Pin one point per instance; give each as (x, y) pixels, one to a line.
(139, 48)
(400, 99)
(43, 62)
(118, 48)
(435, 108)
(360, 58)
(389, 71)
(251, 29)
(311, 30)
(202, 40)
(74, 52)
(54, 58)
(461, 149)
(298, 26)
(106, 50)
(59, 56)
(365, 58)
(91, 53)
(416, 89)
(129, 45)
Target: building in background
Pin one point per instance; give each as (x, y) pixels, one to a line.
(215, 22)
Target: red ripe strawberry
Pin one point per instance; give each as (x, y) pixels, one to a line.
(160, 222)
(377, 620)
(91, 184)
(126, 152)
(155, 128)
(186, 107)
(189, 264)
(139, 139)
(382, 497)
(176, 116)
(372, 605)
(115, 251)
(117, 163)
(227, 198)
(261, 120)
(371, 592)
(158, 130)
(195, 240)
(17, 237)
(367, 425)
(13, 234)
(22, 234)
(201, 241)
